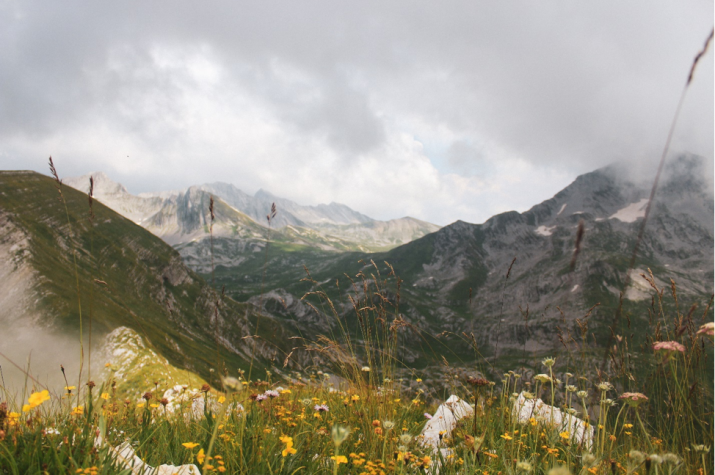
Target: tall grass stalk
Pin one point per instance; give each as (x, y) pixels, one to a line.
(58, 183)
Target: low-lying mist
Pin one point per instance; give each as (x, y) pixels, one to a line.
(40, 352)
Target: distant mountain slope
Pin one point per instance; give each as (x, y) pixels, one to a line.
(454, 280)
(127, 277)
(291, 213)
(182, 216)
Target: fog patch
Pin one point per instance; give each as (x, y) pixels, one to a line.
(40, 352)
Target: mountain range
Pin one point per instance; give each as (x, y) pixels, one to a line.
(504, 290)
(454, 281)
(183, 216)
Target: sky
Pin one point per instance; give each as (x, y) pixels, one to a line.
(436, 110)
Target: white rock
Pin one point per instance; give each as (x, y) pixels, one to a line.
(125, 458)
(445, 419)
(545, 230)
(525, 409)
(189, 402)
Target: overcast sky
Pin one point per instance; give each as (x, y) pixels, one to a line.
(437, 110)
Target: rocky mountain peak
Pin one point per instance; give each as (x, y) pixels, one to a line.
(264, 194)
(103, 185)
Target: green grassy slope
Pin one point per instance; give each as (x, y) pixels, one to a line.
(127, 277)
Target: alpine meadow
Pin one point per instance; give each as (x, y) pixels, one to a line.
(156, 321)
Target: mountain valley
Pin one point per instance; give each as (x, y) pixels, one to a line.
(502, 292)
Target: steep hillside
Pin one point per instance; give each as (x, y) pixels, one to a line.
(126, 277)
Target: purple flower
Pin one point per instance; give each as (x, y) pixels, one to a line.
(261, 397)
(428, 415)
(320, 408)
(271, 393)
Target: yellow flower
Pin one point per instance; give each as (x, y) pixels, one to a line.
(154, 405)
(339, 459)
(201, 456)
(13, 418)
(107, 365)
(78, 411)
(221, 399)
(140, 405)
(419, 380)
(190, 445)
(565, 435)
(285, 391)
(288, 441)
(426, 461)
(26, 408)
(355, 398)
(36, 399)
(105, 396)
(505, 436)
(69, 388)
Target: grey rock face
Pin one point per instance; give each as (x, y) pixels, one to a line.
(677, 244)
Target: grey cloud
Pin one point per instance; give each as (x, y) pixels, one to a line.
(465, 157)
(345, 117)
(568, 85)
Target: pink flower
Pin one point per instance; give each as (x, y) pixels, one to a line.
(669, 346)
(707, 329)
(271, 393)
(428, 415)
(261, 397)
(320, 408)
(634, 399)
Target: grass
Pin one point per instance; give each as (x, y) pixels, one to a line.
(384, 423)
(273, 422)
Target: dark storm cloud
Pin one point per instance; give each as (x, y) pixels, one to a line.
(260, 93)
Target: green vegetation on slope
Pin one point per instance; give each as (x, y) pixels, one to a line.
(127, 277)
